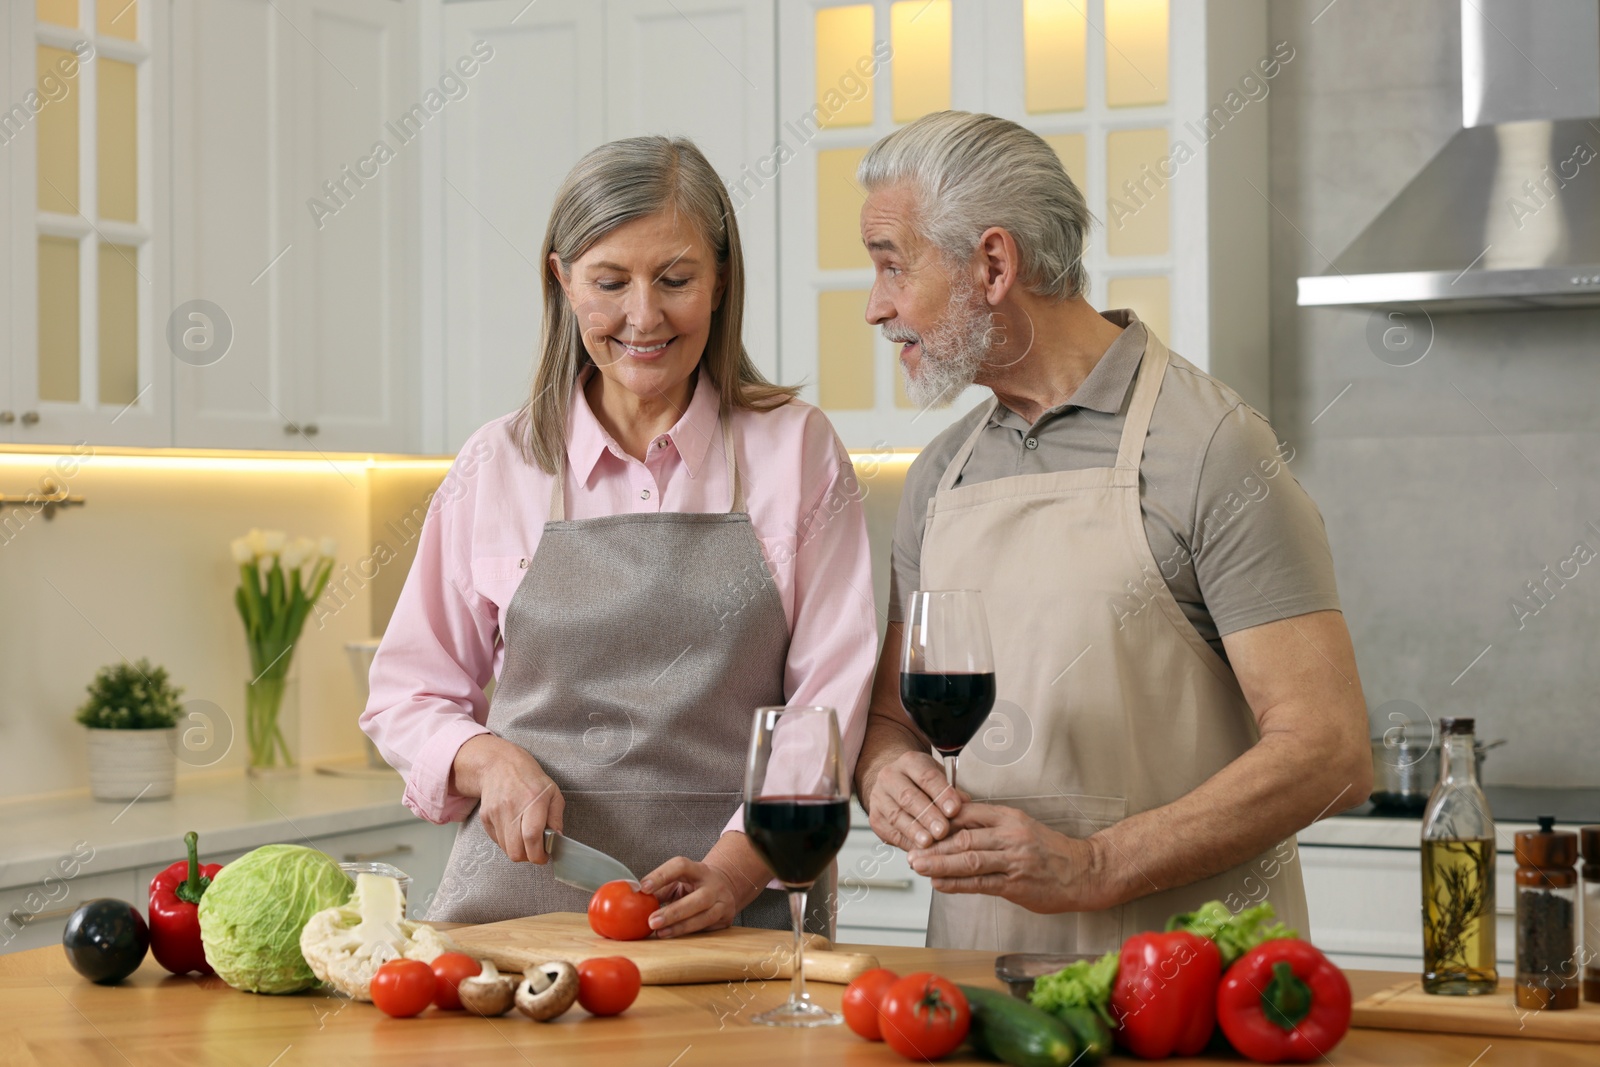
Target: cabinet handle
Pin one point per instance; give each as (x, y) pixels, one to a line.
(29, 418)
(290, 429)
(7, 418)
(876, 883)
(42, 916)
(309, 429)
(370, 857)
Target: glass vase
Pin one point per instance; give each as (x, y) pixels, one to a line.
(272, 722)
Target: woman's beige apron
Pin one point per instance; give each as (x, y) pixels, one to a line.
(633, 682)
(1103, 710)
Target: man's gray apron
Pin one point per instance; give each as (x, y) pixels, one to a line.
(637, 649)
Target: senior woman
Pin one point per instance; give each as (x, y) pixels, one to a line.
(657, 543)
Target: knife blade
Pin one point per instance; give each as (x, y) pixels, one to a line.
(576, 864)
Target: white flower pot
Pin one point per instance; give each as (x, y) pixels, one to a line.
(124, 764)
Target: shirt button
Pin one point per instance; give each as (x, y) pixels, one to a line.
(644, 494)
(1031, 443)
(662, 443)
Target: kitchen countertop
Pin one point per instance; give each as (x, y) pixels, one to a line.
(1514, 808)
(52, 1016)
(230, 810)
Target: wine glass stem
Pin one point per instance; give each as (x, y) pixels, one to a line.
(797, 983)
(950, 770)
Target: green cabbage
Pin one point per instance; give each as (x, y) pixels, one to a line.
(252, 914)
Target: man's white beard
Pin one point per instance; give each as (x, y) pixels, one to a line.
(952, 352)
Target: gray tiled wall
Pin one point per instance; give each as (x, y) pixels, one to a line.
(1449, 484)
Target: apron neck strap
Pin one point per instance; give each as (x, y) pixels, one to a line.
(1152, 370)
(558, 488)
(953, 470)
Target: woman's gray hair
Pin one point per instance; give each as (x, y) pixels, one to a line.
(614, 184)
(973, 171)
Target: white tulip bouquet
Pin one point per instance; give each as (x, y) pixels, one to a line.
(279, 581)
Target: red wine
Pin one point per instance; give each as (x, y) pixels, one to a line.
(797, 836)
(948, 708)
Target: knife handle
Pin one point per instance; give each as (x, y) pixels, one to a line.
(837, 968)
(549, 842)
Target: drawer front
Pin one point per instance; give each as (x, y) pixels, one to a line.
(1368, 901)
(869, 935)
(878, 889)
(36, 915)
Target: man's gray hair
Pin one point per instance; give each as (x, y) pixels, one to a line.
(972, 171)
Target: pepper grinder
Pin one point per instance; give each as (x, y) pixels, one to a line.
(1547, 912)
(1591, 913)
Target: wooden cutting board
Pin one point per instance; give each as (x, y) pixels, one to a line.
(1405, 1006)
(733, 954)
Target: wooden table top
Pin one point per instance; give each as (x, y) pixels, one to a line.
(50, 1017)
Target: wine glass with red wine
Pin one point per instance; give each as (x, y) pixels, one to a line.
(796, 814)
(947, 669)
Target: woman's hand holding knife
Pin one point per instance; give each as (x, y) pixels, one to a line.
(517, 799)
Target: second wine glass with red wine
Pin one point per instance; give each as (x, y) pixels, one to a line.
(947, 669)
(797, 815)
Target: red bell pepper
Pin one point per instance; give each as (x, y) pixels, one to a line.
(1284, 1001)
(1165, 995)
(174, 911)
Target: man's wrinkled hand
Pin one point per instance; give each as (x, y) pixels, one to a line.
(1001, 852)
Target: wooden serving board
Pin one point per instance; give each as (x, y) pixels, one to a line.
(733, 954)
(1405, 1006)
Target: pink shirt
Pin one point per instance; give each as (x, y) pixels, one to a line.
(443, 643)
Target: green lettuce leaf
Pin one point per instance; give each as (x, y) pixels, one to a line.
(1079, 985)
(1234, 934)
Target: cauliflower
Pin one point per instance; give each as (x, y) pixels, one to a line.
(346, 945)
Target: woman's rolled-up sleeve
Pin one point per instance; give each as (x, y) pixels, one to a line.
(833, 641)
(436, 656)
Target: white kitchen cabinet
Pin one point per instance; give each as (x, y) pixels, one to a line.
(418, 848)
(567, 75)
(1120, 89)
(1365, 906)
(881, 900)
(87, 277)
(295, 163)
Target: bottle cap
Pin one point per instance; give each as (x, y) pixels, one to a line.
(1591, 844)
(1448, 726)
(1546, 846)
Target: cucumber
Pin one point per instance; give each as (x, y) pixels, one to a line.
(1094, 1036)
(1016, 1032)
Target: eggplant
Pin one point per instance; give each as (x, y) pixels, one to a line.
(106, 940)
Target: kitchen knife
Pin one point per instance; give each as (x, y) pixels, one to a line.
(576, 864)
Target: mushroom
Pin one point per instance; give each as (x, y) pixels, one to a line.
(547, 990)
(489, 992)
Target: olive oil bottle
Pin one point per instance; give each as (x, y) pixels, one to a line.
(1458, 853)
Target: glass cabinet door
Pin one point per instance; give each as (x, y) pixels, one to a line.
(85, 364)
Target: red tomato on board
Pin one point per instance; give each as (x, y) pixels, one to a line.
(403, 988)
(449, 969)
(620, 911)
(607, 985)
(924, 1017)
(862, 998)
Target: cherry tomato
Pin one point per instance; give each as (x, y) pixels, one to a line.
(403, 988)
(862, 998)
(924, 1017)
(448, 970)
(607, 985)
(621, 911)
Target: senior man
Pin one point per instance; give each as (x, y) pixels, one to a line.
(1171, 660)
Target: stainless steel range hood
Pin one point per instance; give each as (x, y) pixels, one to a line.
(1507, 215)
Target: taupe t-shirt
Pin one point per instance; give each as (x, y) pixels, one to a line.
(1234, 536)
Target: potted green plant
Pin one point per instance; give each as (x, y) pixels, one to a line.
(132, 714)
